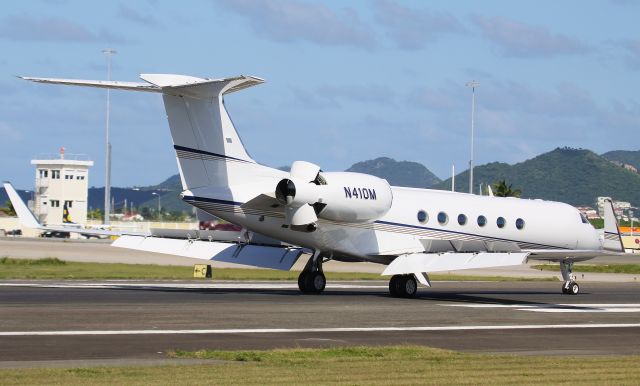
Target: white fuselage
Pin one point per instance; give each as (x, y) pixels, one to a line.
(543, 224)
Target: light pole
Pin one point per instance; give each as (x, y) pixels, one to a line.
(631, 217)
(107, 160)
(159, 212)
(473, 84)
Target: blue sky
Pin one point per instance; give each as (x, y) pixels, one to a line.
(345, 81)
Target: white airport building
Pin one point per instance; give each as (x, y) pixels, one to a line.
(60, 181)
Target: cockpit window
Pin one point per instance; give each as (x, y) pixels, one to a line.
(584, 218)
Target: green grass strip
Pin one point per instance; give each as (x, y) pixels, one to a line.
(352, 366)
(53, 268)
(594, 268)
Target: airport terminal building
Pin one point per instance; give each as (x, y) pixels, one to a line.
(61, 182)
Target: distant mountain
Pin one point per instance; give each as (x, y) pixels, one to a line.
(139, 196)
(574, 176)
(397, 173)
(625, 156)
(171, 183)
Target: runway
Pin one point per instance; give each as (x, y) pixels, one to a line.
(112, 320)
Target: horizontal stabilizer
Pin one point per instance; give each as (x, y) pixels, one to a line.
(131, 86)
(438, 262)
(170, 84)
(246, 254)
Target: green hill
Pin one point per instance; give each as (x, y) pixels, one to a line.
(397, 173)
(624, 156)
(574, 176)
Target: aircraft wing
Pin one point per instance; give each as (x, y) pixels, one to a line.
(225, 246)
(421, 263)
(265, 256)
(452, 261)
(574, 255)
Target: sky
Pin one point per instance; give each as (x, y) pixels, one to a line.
(345, 81)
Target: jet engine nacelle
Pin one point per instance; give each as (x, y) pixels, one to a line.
(354, 197)
(336, 196)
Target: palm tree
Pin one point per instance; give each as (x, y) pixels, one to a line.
(501, 189)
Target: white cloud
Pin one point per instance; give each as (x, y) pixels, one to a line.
(52, 29)
(517, 39)
(290, 21)
(414, 28)
(130, 14)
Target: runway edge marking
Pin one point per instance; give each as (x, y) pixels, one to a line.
(307, 330)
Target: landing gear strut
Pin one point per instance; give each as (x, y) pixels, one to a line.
(569, 287)
(403, 286)
(311, 279)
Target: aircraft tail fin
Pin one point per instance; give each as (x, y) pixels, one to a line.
(26, 217)
(208, 148)
(612, 239)
(66, 217)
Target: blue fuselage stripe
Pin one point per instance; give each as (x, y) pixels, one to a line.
(235, 203)
(197, 151)
(213, 200)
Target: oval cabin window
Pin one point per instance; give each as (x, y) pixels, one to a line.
(443, 219)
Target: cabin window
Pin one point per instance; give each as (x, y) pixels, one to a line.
(68, 204)
(55, 174)
(443, 219)
(519, 223)
(482, 221)
(55, 203)
(44, 173)
(501, 222)
(462, 219)
(422, 216)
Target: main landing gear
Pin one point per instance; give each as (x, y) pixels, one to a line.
(311, 279)
(569, 287)
(403, 286)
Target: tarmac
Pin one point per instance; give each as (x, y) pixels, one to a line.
(79, 323)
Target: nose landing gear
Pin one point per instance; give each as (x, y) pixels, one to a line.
(570, 286)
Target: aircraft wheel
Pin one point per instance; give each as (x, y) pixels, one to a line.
(302, 281)
(573, 289)
(314, 282)
(408, 286)
(394, 285)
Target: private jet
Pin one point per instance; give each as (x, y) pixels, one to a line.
(343, 216)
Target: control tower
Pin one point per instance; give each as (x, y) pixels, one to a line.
(61, 182)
